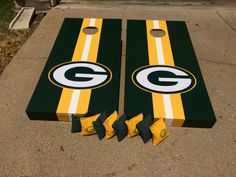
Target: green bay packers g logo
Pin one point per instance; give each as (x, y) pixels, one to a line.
(80, 75)
(91, 129)
(163, 79)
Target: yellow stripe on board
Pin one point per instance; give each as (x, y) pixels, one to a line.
(178, 111)
(152, 51)
(167, 52)
(66, 95)
(157, 99)
(81, 41)
(176, 101)
(63, 105)
(84, 96)
(158, 103)
(95, 42)
(84, 99)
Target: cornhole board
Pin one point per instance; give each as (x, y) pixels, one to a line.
(163, 77)
(82, 73)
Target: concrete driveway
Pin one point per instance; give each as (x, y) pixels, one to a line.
(41, 148)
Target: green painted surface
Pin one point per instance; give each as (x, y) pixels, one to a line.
(109, 54)
(136, 100)
(44, 101)
(197, 105)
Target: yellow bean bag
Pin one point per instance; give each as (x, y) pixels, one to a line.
(110, 131)
(87, 127)
(159, 131)
(131, 124)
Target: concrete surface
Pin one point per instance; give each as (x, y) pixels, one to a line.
(151, 2)
(40, 148)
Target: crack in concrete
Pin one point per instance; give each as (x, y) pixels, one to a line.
(217, 62)
(227, 45)
(226, 22)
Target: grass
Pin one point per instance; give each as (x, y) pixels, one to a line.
(7, 13)
(12, 40)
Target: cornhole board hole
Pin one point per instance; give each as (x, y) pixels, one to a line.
(82, 73)
(163, 77)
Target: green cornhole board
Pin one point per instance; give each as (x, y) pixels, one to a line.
(163, 77)
(82, 73)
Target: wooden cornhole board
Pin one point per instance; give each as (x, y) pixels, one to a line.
(82, 73)
(163, 77)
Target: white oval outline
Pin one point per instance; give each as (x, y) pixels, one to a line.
(79, 62)
(147, 66)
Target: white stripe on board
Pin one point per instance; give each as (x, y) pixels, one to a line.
(160, 55)
(86, 48)
(88, 42)
(161, 61)
(76, 93)
(168, 109)
(156, 24)
(92, 21)
(74, 101)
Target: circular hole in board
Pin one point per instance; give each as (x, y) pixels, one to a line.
(157, 33)
(90, 30)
